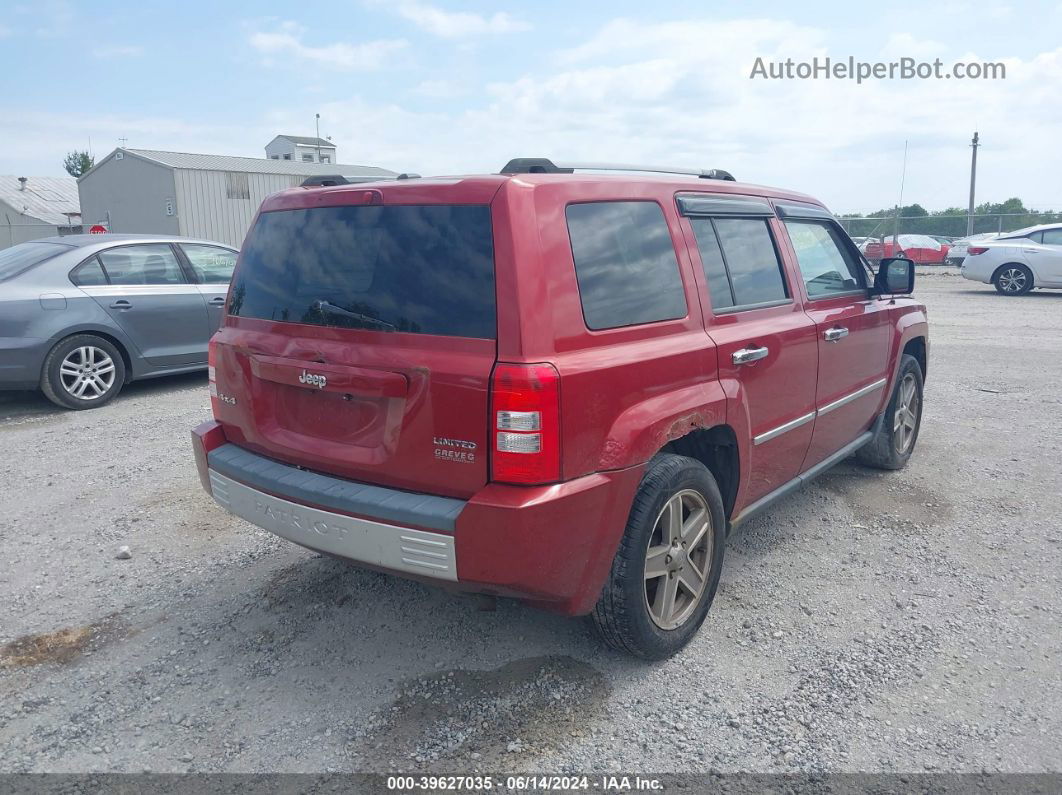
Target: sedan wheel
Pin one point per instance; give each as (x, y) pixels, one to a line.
(1013, 280)
(82, 372)
(87, 373)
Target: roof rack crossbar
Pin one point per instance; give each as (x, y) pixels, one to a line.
(542, 165)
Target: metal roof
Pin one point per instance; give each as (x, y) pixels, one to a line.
(47, 199)
(253, 165)
(307, 141)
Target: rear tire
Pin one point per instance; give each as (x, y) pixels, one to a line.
(666, 570)
(82, 372)
(1013, 279)
(894, 442)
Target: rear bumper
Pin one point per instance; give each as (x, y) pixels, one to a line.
(551, 545)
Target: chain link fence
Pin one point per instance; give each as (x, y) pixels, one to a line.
(951, 226)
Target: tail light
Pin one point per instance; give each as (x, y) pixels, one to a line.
(976, 250)
(212, 355)
(525, 412)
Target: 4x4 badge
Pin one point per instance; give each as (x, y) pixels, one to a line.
(313, 379)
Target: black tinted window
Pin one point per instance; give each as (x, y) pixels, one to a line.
(24, 256)
(712, 261)
(90, 274)
(755, 272)
(421, 269)
(625, 264)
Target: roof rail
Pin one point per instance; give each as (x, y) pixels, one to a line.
(330, 180)
(542, 165)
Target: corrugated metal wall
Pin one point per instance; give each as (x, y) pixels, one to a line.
(205, 209)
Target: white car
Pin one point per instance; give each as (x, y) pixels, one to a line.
(958, 249)
(1019, 261)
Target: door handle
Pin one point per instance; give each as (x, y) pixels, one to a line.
(834, 334)
(219, 301)
(749, 355)
(121, 303)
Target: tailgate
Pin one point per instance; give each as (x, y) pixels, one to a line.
(360, 343)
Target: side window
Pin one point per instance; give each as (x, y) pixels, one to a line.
(625, 264)
(89, 274)
(211, 264)
(751, 261)
(149, 263)
(1053, 237)
(715, 274)
(826, 264)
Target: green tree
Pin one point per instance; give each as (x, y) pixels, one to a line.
(77, 163)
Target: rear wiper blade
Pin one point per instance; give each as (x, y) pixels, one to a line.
(325, 306)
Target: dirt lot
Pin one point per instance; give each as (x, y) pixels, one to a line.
(875, 622)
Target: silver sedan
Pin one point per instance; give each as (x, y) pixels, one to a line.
(83, 315)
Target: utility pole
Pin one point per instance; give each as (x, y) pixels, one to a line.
(973, 183)
(318, 123)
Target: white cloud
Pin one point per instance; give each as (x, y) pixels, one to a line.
(118, 51)
(455, 24)
(287, 40)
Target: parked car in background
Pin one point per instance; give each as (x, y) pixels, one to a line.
(82, 315)
(957, 252)
(1017, 262)
(566, 388)
(922, 249)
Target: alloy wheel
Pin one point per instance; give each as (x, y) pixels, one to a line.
(87, 372)
(677, 559)
(1012, 280)
(905, 421)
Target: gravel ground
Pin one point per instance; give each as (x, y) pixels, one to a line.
(873, 622)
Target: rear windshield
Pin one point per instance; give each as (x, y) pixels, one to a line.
(420, 269)
(19, 259)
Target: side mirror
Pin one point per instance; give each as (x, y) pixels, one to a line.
(895, 276)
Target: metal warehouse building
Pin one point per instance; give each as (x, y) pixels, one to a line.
(213, 197)
(35, 207)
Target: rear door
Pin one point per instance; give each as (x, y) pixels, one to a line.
(1046, 259)
(766, 344)
(212, 268)
(150, 297)
(853, 328)
(360, 342)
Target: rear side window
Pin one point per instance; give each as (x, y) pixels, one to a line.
(740, 262)
(1053, 237)
(421, 269)
(625, 264)
(19, 259)
(89, 274)
(147, 264)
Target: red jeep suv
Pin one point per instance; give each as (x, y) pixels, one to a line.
(560, 385)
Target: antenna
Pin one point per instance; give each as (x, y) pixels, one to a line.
(903, 178)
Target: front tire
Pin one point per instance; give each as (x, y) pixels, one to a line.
(1013, 279)
(666, 571)
(894, 442)
(82, 372)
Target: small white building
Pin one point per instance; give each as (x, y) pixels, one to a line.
(214, 197)
(36, 207)
(301, 149)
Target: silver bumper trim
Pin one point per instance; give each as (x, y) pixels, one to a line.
(362, 540)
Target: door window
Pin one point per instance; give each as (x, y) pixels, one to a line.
(149, 263)
(826, 264)
(740, 262)
(211, 264)
(1053, 237)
